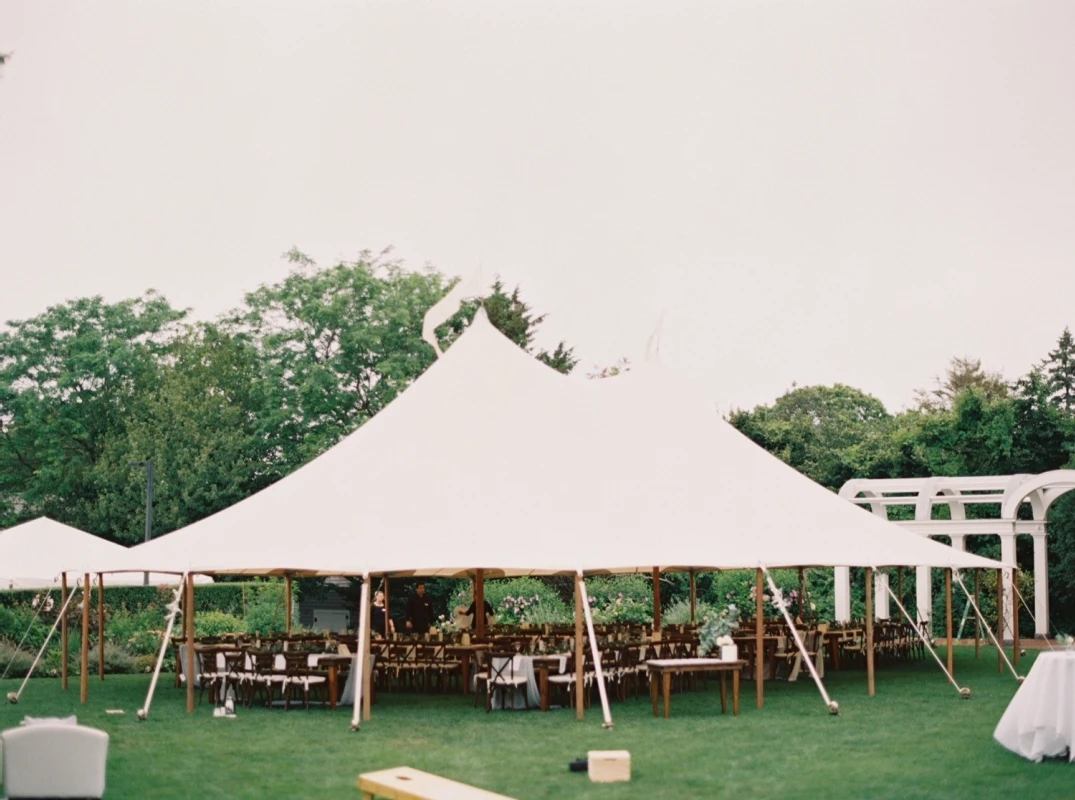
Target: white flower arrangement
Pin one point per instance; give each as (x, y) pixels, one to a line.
(725, 641)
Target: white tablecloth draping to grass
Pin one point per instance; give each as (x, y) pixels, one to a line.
(524, 666)
(1040, 720)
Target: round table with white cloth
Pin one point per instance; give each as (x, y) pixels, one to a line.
(1040, 720)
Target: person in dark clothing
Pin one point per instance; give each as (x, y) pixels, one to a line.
(380, 624)
(488, 614)
(419, 611)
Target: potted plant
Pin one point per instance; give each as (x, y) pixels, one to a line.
(715, 634)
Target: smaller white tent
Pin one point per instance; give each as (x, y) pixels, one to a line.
(34, 554)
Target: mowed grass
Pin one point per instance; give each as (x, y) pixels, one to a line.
(915, 739)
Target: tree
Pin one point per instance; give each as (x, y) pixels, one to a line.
(830, 433)
(70, 379)
(1059, 368)
(962, 374)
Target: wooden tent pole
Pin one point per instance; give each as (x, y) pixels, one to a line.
(479, 602)
(63, 629)
(101, 625)
(759, 638)
(802, 594)
(948, 620)
(899, 583)
(694, 597)
(188, 625)
(656, 599)
(1015, 621)
(977, 621)
(84, 672)
(871, 689)
(1000, 621)
(580, 689)
(387, 611)
(287, 603)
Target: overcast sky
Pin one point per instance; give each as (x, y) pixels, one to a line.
(810, 192)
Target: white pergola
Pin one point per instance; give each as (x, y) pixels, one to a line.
(1009, 492)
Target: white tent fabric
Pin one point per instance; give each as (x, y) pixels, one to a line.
(491, 459)
(35, 553)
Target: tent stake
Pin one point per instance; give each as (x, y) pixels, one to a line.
(359, 665)
(173, 609)
(596, 656)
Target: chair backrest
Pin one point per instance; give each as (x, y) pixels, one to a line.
(501, 666)
(31, 755)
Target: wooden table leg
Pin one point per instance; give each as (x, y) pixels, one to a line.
(333, 681)
(465, 661)
(543, 684)
(723, 692)
(735, 692)
(653, 691)
(666, 690)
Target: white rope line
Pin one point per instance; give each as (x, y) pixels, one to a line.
(360, 651)
(173, 610)
(13, 697)
(22, 641)
(596, 656)
(964, 691)
(1033, 616)
(778, 601)
(988, 629)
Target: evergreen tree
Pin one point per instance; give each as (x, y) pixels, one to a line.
(1059, 368)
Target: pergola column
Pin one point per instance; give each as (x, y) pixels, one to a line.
(924, 593)
(1007, 555)
(842, 595)
(1041, 586)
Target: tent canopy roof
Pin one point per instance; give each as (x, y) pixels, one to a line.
(493, 460)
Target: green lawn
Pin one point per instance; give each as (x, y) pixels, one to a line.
(915, 739)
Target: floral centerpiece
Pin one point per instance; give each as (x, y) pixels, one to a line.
(445, 627)
(716, 632)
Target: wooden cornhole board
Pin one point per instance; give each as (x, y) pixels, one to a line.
(406, 783)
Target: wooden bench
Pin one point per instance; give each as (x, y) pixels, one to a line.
(405, 783)
(662, 669)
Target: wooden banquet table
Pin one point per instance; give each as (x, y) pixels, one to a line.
(662, 669)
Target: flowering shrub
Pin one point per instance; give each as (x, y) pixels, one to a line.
(516, 600)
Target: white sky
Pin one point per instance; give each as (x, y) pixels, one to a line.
(811, 192)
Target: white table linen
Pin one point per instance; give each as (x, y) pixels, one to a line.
(1040, 719)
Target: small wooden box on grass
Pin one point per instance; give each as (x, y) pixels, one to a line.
(609, 766)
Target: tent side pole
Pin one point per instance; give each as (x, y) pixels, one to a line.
(1000, 622)
(101, 625)
(359, 666)
(871, 689)
(948, 620)
(64, 667)
(759, 638)
(387, 611)
(479, 603)
(899, 583)
(188, 624)
(977, 622)
(802, 595)
(694, 597)
(287, 603)
(367, 671)
(84, 673)
(656, 599)
(1015, 619)
(580, 711)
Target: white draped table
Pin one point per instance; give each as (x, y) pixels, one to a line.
(524, 665)
(1040, 720)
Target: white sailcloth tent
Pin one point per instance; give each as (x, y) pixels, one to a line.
(493, 460)
(34, 554)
